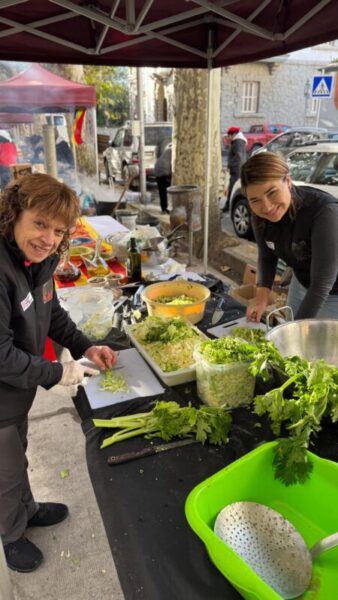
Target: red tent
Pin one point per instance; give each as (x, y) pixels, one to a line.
(12, 119)
(39, 90)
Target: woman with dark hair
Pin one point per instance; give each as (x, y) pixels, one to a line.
(299, 225)
(37, 213)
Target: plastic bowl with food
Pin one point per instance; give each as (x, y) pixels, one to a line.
(182, 298)
(76, 253)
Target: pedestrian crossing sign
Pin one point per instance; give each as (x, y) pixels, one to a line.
(321, 86)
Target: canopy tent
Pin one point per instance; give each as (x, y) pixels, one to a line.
(176, 33)
(38, 90)
(158, 33)
(13, 119)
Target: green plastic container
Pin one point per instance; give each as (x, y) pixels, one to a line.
(310, 507)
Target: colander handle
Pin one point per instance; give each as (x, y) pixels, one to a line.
(277, 311)
(331, 541)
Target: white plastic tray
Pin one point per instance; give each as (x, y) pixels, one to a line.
(169, 378)
(226, 328)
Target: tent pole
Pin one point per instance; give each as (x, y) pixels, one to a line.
(207, 169)
(142, 174)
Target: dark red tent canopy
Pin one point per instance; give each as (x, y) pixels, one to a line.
(176, 33)
(39, 90)
(12, 119)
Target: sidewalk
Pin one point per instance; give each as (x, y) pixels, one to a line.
(78, 564)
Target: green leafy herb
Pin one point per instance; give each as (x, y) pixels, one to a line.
(309, 392)
(249, 334)
(168, 420)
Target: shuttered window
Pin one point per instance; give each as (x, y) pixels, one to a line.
(250, 96)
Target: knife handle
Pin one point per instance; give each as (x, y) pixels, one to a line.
(128, 456)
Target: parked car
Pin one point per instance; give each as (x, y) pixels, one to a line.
(258, 135)
(315, 165)
(121, 158)
(285, 142)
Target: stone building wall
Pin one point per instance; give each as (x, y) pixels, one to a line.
(281, 97)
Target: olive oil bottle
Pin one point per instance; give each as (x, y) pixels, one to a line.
(134, 262)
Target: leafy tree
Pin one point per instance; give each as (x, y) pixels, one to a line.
(112, 93)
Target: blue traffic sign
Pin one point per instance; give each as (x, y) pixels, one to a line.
(322, 86)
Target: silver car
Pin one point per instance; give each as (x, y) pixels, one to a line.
(315, 165)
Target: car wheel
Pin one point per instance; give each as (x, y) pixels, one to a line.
(240, 216)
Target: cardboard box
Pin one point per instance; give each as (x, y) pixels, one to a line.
(20, 169)
(245, 294)
(250, 275)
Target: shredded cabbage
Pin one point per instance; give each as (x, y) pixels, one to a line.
(169, 342)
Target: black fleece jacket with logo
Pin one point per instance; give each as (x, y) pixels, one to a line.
(29, 312)
(308, 243)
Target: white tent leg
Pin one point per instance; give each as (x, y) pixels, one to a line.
(207, 171)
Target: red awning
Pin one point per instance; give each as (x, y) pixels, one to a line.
(171, 33)
(37, 90)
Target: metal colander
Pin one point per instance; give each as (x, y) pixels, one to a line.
(269, 544)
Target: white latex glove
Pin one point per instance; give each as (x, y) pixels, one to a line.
(73, 373)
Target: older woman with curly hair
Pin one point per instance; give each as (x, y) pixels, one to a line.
(37, 213)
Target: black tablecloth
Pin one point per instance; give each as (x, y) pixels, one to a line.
(157, 555)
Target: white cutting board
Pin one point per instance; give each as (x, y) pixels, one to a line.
(140, 379)
(226, 328)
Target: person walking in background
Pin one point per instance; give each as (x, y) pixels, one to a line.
(298, 224)
(36, 215)
(236, 158)
(8, 156)
(65, 159)
(162, 172)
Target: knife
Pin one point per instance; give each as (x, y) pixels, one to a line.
(148, 451)
(218, 312)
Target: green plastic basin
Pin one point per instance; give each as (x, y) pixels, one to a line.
(310, 507)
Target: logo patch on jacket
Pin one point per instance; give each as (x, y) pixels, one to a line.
(27, 301)
(270, 245)
(47, 291)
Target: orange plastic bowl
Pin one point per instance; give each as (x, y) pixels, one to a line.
(193, 312)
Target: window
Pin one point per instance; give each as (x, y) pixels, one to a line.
(118, 139)
(128, 138)
(250, 96)
(302, 165)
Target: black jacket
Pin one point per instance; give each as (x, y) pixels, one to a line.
(308, 243)
(237, 155)
(29, 312)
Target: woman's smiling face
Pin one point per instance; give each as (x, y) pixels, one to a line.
(38, 235)
(270, 200)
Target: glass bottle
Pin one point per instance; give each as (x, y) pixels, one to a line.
(133, 262)
(96, 266)
(65, 271)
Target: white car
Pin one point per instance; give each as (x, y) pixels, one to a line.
(121, 158)
(315, 165)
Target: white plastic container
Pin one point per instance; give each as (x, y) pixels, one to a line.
(170, 378)
(230, 385)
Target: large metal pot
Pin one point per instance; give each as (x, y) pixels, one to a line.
(308, 338)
